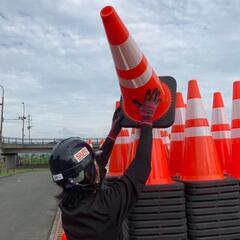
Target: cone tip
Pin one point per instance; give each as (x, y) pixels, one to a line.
(107, 11)
(115, 29)
(193, 90)
(179, 100)
(124, 133)
(217, 100)
(236, 89)
(117, 104)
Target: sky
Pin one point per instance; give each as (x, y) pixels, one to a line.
(54, 57)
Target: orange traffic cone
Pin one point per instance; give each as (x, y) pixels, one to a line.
(165, 140)
(160, 172)
(90, 142)
(131, 141)
(177, 137)
(101, 142)
(220, 130)
(235, 131)
(118, 158)
(201, 160)
(64, 237)
(133, 144)
(135, 74)
(117, 105)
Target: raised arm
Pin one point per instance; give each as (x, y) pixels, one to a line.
(139, 170)
(110, 140)
(124, 193)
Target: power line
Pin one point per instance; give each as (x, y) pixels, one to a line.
(11, 119)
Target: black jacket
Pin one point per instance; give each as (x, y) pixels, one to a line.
(100, 214)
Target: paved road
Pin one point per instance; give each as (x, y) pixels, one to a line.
(27, 206)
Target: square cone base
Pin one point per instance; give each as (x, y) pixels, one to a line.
(179, 236)
(159, 213)
(212, 218)
(212, 197)
(234, 236)
(157, 231)
(209, 184)
(162, 202)
(157, 223)
(217, 224)
(155, 216)
(213, 209)
(168, 118)
(213, 204)
(164, 192)
(214, 232)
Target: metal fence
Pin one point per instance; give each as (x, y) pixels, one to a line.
(41, 141)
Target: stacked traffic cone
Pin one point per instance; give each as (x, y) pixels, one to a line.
(160, 171)
(165, 140)
(213, 210)
(135, 74)
(131, 141)
(63, 237)
(235, 132)
(133, 144)
(201, 160)
(101, 142)
(221, 130)
(160, 209)
(159, 213)
(177, 137)
(118, 158)
(90, 142)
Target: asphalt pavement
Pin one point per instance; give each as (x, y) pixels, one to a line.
(27, 206)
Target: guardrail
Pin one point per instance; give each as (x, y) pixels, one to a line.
(41, 141)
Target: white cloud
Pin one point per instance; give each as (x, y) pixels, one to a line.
(54, 56)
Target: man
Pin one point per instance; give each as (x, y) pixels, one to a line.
(90, 209)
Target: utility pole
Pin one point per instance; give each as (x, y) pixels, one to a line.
(23, 134)
(29, 126)
(1, 124)
(23, 122)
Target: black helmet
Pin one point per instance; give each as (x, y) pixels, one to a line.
(70, 157)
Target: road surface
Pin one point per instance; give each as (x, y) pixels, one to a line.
(27, 206)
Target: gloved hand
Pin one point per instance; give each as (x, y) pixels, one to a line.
(149, 106)
(116, 124)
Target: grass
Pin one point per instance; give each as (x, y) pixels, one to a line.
(4, 172)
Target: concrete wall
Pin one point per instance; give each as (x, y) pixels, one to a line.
(10, 160)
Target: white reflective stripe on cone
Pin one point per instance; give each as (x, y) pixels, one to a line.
(180, 116)
(219, 116)
(221, 134)
(235, 133)
(139, 81)
(194, 109)
(132, 137)
(137, 134)
(122, 140)
(236, 109)
(177, 136)
(165, 140)
(156, 134)
(126, 55)
(197, 131)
